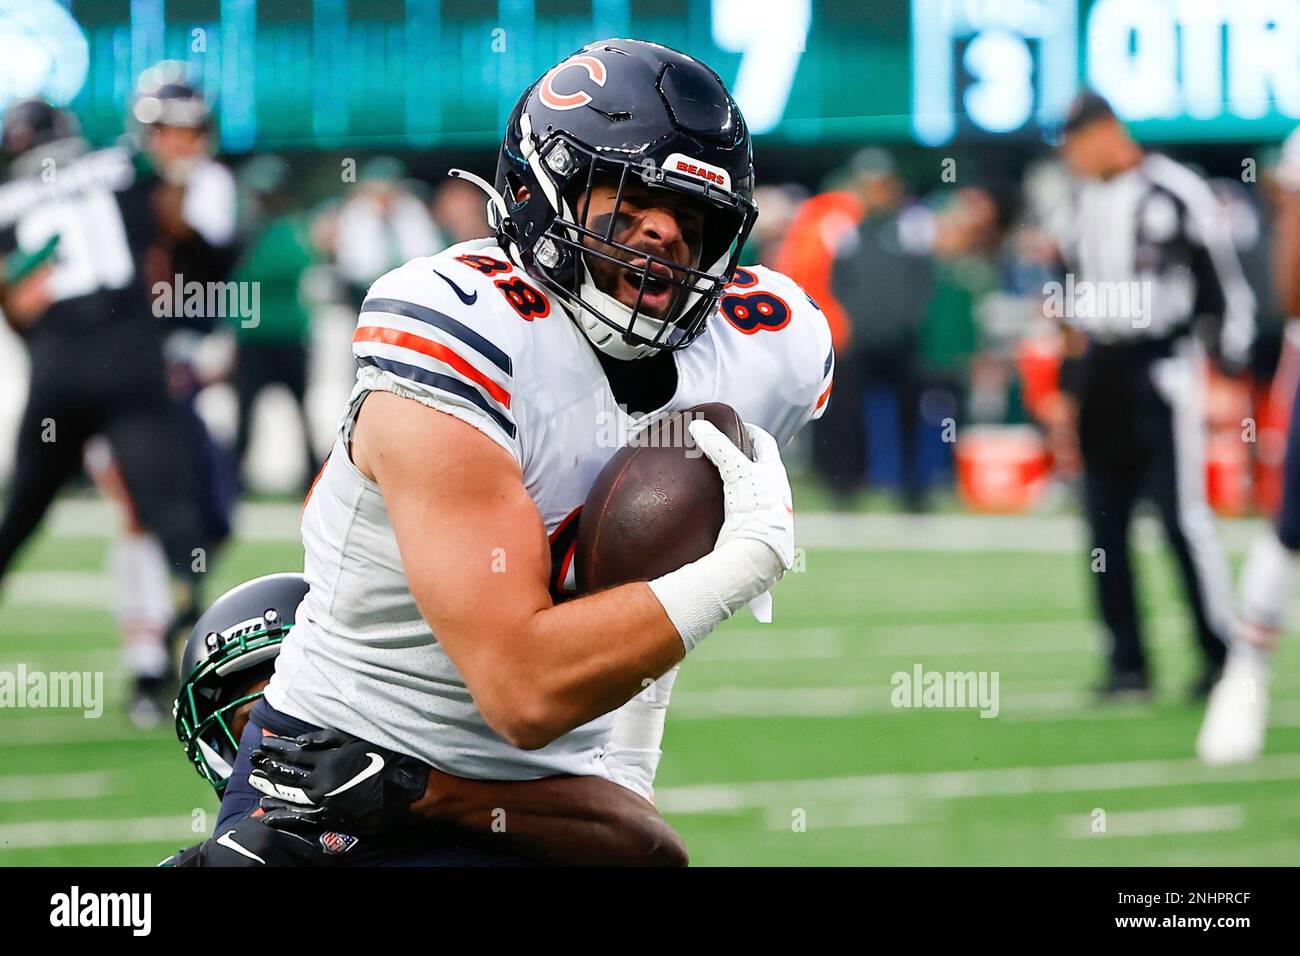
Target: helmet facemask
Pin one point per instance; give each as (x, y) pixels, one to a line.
(563, 254)
(213, 694)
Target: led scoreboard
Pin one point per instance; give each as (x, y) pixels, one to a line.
(375, 73)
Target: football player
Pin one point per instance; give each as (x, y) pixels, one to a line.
(440, 533)
(75, 227)
(226, 664)
(195, 204)
(1237, 715)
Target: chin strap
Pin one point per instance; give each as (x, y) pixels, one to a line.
(497, 212)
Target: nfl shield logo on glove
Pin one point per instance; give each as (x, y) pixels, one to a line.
(337, 844)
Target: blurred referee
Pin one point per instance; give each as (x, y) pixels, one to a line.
(1154, 274)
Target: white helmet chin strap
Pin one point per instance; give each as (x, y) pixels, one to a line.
(496, 207)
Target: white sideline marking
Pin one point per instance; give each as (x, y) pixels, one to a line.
(949, 785)
(54, 786)
(1046, 700)
(1063, 533)
(1140, 823)
(66, 589)
(47, 833)
(844, 817)
(75, 731)
(66, 659)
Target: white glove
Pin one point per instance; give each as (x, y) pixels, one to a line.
(757, 503)
(755, 546)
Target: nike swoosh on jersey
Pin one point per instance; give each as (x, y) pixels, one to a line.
(376, 765)
(468, 299)
(226, 841)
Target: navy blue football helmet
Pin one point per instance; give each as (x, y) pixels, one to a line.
(619, 112)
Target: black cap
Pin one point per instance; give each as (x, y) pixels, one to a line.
(1085, 109)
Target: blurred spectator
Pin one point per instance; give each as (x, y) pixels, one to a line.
(197, 242)
(273, 348)
(964, 275)
(777, 207)
(883, 279)
(460, 211)
(381, 226)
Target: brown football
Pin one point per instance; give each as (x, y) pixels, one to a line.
(656, 505)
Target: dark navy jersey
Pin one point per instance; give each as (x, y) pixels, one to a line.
(98, 205)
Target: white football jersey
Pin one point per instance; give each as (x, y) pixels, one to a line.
(469, 333)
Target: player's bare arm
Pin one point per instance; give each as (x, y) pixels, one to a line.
(569, 821)
(475, 554)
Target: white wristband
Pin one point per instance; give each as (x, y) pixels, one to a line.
(703, 594)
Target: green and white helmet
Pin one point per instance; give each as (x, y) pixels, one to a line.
(231, 649)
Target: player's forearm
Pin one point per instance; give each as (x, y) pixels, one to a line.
(571, 821)
(581, 659)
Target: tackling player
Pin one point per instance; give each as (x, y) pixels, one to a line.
(439, 535)
(226, 664)
(1237, 714)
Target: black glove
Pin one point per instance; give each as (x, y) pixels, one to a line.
(329, 779)
(262, 841)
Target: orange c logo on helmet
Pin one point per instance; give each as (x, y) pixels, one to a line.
(571, 101)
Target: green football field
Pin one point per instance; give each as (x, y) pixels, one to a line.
(783, 745)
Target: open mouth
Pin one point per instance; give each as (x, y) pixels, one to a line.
(655, 290)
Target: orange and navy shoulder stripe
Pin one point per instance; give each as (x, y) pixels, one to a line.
(424, 345)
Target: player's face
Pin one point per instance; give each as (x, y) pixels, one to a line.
(656, 222)
(1087, 151)
(171, 144)
(239, 719)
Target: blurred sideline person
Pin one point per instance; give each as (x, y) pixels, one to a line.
(883, 279)
(197, 243)
(1150, 243)
(380, 226)
(74, 288)
(807, 256)
(274, 349)
(459, 212)
(1237, 715)
(140, 589)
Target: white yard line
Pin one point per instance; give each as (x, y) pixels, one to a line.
(48, 833)
(947, 785)
(278, 521)
(64, 589)
(54, 786)
(1142, 823)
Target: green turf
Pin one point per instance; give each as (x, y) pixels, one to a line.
(745, 761)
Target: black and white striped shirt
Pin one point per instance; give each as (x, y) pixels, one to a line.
(1148, 252)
